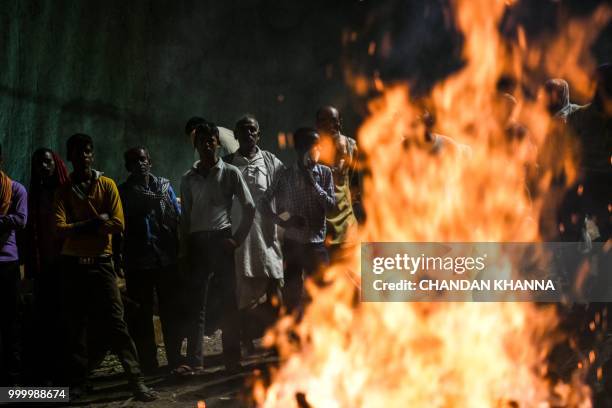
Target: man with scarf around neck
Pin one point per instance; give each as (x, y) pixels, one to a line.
(87, 212)
(259, 261)
(42, 265)
(207, 192)
(13, 217)
(150, 253)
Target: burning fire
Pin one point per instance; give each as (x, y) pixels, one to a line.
(344, 353)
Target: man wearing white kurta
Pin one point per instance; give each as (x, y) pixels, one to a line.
(258, 261)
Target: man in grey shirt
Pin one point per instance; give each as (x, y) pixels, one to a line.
(207, 192)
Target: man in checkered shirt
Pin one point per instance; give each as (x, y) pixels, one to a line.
(303, 194)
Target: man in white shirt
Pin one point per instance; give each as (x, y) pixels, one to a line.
(207, 192)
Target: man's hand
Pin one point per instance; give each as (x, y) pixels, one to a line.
(99, 220)
(120, 271)
(94, 224)
(294, 221)
(230, 245)
(310, 177)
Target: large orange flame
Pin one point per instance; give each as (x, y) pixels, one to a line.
(345, 353)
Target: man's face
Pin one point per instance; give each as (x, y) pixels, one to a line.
(554, 99)
(329, 121)
(312, 154)
(82, 158)
(207, 145)
(248, 134)
(141, 163)
(45, 167)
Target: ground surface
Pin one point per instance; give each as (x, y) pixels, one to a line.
(216, 387)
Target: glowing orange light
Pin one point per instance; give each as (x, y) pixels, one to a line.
(599, 373)
(371, 48)
(282, 140)
(378, 84)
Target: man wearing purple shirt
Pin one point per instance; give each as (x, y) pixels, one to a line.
(13, 216)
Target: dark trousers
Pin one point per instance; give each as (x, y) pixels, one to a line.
(10, 306)
(46, 360)
(213, 289)
(301, 261)
(93, 303)
(141, 286)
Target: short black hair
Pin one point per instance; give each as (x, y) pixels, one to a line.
(192, 123)
(78, 141)
(322, 109)
(246, 118)
(131, 154)
(39, 153)
(205, 129)
(304, 138)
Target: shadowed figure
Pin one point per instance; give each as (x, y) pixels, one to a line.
(13, 217)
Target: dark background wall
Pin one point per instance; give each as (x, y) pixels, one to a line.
(132, 72)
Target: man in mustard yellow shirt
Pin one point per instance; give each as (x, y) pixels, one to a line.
(88, 211)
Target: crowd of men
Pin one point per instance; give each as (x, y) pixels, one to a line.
(212, 253)
(203, 258)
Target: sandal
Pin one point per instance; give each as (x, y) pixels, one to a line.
(183, 370)
(199, 370)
